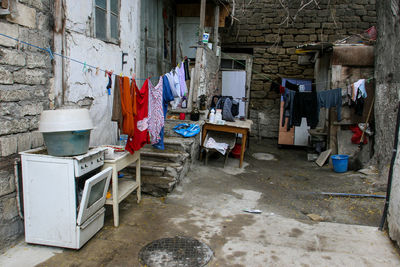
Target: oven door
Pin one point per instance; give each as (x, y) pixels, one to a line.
(94, 195)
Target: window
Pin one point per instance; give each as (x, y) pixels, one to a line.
(233, 64)
(106, 23)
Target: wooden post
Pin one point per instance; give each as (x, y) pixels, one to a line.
(202, 19)
(199, 53)
(216, 25)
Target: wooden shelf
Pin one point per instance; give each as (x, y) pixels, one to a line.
(125, 187)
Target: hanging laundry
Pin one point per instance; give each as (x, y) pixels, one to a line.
(182, 81)
(167, 97)
(117, 108)
(275, 87)
(291, 86)
(156, 114)
(177, 81)
(187, 74)
(109, 84)
(305, 104)
(127, 104)
(174, 82)
(329, 99)
(141, 135)
(288, 98)
(360, 87)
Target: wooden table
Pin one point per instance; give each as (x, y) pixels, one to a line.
(122, 187)
(238, 127)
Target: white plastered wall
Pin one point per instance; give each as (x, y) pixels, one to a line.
(87, 87)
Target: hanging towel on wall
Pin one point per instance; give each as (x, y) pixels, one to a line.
(329, 99)
(117, 107)
(156, 114)
(305, 104)
(141, 135)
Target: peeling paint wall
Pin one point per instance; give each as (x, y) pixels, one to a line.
(86, 89)
(208, 74)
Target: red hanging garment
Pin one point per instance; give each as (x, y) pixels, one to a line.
(141, 134)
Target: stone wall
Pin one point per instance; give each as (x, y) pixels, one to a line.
(387, 76)
(261, 26)
(25, 85)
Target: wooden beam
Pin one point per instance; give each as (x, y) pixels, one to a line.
(216, 25)
(202, 19)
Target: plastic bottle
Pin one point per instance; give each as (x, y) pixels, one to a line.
(212, 116)
(218, 115)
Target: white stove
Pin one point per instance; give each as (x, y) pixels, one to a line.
(63, 197)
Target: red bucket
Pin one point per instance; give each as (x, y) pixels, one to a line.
(236, 150)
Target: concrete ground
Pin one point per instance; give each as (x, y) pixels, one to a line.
(209, 206)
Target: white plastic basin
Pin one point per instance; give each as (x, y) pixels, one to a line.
(62, 120)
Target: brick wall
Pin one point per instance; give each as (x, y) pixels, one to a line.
(258, 27)
(25, 82)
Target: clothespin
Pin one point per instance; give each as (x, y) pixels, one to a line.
(85, 68)
(369, 79)
(97, 70)
(18, 44)
(51, 53)
(121, 74)
(133, 76)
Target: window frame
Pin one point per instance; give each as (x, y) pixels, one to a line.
(109, 38)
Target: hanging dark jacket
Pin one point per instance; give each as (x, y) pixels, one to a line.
(305, 104)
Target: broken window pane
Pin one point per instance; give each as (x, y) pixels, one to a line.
(101, 29)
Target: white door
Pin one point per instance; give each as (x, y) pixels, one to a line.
(94, 194)
(234, 84)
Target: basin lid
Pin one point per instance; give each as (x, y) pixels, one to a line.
(62, 120)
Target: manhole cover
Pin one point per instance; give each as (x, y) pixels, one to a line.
(175, 252)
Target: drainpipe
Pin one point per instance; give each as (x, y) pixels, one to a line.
(390, 177)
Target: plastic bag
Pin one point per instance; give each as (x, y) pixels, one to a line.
(187, 130)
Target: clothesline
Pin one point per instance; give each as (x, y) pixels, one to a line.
(85, 65)
(270, 79)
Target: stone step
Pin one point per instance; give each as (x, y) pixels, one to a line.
(156, 168)
(170, 124)
(158, 185)
(167, 155)
(177, 143)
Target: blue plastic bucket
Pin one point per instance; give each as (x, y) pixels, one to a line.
(340, 162)
(69, 143)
